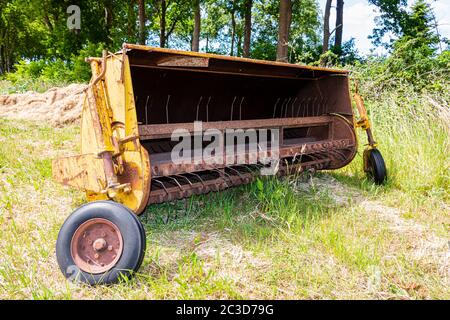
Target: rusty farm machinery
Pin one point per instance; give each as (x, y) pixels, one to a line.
(282, 118)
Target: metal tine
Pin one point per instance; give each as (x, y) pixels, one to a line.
(314, 106)
(282, 107)
(221, 176)
(292, 106)
(161, 183)
(291, 101)
(287, 107)
(240, 108)
(167, 108)
(237, 172)
(198, 177)
(185, 178)
(317, 107)
(313, 156)
(258, 165)
(319, 155)
(198, 106)
(224, 173)
(246, 167)
(324, 104)
(275, 107)
(340, 153)
(300, 104)
(313, 100)
(305, 101)
(207, 109)
(309, 105)
(294, 158)
(305, 110)
(146, 112)
(176, 181)
(285, 102)
(232, 107)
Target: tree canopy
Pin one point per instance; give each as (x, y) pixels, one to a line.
(297, 31)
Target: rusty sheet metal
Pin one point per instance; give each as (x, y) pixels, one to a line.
(183, 61)
(230, 59)
(158, 131)
(213, 181)
(163, 166)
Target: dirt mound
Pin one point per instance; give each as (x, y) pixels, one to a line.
(57, 106)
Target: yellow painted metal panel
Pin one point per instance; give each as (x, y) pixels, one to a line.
(81, 171)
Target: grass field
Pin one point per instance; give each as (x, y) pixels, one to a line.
(333, 235)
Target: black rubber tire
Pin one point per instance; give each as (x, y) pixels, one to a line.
(376, 167)
(133, 235)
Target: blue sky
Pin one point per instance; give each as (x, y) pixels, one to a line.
(359, 20)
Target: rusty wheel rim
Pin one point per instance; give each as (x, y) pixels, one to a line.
(96, 246)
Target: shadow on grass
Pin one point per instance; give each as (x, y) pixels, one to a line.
(250, 216)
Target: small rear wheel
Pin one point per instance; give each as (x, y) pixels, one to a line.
(374, 166)
(99, 243)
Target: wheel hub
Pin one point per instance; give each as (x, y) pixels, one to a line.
(99, 244)
(96, 245)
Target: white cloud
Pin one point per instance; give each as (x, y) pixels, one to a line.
(359, 24)
(441, 11)
(359, 21)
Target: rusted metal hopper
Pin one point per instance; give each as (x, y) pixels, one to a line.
(150, 119)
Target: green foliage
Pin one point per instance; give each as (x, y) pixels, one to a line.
(304, 31)
(346, 55)
(414, 59)
(38, 75)
(54, 72)
(80, 70)
(35, 40)
(393, 19)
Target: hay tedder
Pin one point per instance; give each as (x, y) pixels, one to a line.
(285, 118)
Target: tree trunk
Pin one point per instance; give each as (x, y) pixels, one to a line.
(248, 27)
(339, 26)
(2, 64)
(233, 31)
(142, 36)
(239, 44)
(131, 22)
(108, 21)
(162, 25)
(283, 30)
(326, 27)
(197, 26)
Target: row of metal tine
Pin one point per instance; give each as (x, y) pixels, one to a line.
(284, 107)
(222, 174)
(253, 169)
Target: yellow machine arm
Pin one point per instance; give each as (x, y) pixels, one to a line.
(113, 164)
(363, 121)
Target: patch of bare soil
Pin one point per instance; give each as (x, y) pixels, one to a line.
(57, 106)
